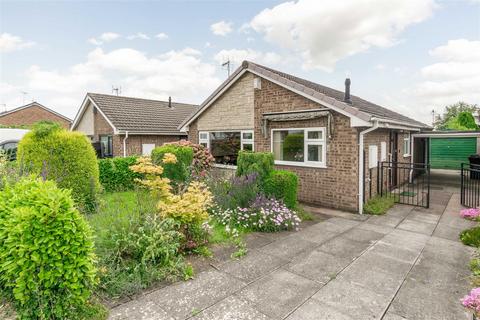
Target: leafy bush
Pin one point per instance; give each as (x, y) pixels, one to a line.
(379, 205)
(471, 237)
(260, 163)
(235, 192)
(263, 214)
(116, 175)
(135, 247)
(283, 185)
(178, 172)
(46, 250)
(202, 158)
(62, 156)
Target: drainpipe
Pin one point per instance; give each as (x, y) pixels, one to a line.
(125, 144)
(361, 165)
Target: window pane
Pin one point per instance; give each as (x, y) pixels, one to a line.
(203, 136)
(315, 152)
(288, 145)
(247, 135)
(248, 146)
(315, 135)
(106, 146)
(224, 146)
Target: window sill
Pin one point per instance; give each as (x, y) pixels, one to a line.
(406, 155)
(225, 166)
(302, 164)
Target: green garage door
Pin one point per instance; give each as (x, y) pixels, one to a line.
(449, 153)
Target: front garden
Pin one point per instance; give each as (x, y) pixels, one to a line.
(77, 233)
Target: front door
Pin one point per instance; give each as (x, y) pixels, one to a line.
(393, 158)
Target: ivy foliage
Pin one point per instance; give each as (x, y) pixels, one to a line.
(46, 250)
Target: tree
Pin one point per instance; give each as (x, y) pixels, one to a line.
(450, 120)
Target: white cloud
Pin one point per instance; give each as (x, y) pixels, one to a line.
(162, 36)
(236, 56)
(456, 77)
(103, 38)
(221, 28)
(181, 74)
(380, 67)
(138, 35)
(323, 32)
(9, 43)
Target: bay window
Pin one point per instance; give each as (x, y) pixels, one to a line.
(301, 147)
(225, 145)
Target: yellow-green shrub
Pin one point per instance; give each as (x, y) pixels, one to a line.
(46, 250)
(62, 156)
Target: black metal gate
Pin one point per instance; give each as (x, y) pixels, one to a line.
(470, 185)
(408, 183)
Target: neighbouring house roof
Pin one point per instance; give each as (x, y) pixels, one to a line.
(35, 104)
(360, 109)
(139, 116)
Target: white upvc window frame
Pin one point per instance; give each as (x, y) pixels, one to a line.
(407, 139)
(204, 140)
(383, 151)
(244, 141)
(306, 142)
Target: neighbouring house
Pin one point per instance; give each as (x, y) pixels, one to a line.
(124, 126)
(331, 139)
(30, 113)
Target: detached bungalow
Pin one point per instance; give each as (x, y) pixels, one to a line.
(30, 113)
(331, 139)
(123, 126)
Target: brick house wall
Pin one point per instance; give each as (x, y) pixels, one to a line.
(335, 186)
(30, 115)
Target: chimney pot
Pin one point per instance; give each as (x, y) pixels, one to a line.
(169, 102)
(347, 97)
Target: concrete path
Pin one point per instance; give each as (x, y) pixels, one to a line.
(407, 264)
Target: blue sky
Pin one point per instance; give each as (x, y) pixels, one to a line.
(408, 55)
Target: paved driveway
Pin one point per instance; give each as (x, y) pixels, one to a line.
(407, 264)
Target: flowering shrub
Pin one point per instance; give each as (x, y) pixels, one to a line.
(202, 158)
(472, 301)
(473, 213)
(188, 209)
(235, 192)
(263, 214)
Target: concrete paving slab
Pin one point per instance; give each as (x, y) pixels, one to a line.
(434, 208)
(423, 217)
(256, 240)
(406, 239)
(440, 250)
(392, 316)
(343, 247)
(141, 308)
(314, 310)
(288, 247)
(446, 232)
(358, 234)
(385, 220)
(318, 266)
(375, 227)
(457, 222)
(400, 211)
(231, 308)
(317, 234)
(386, 264)
(352, 299)
(186, 298)
(372, 278)
(254, 265)
(346, 223)
(417, 226)
(417, 301)
(394, 252)
(279, 293)
(334, 227)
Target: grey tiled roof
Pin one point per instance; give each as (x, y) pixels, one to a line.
(359, 107)
(142, 115)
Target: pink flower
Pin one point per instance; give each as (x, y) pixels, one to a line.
(470, 213)
(472, 300)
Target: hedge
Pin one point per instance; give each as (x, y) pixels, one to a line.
(46, 249)
(283, 185)
(115, 174)
(259, 162)
(65, 157)
(177, 172)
